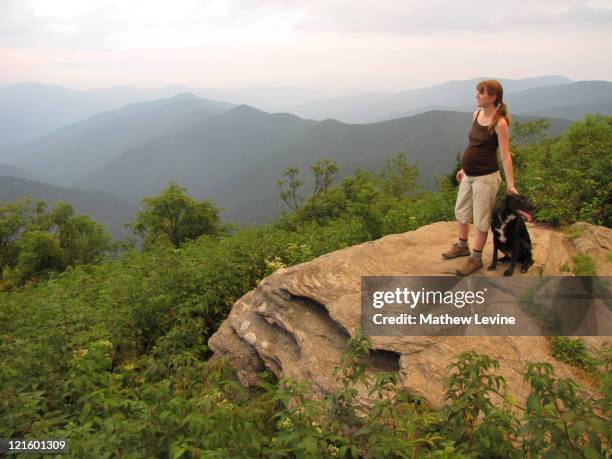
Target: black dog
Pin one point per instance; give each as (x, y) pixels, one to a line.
(510, 232)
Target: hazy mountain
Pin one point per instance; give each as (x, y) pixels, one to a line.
(431, 140)
(568, 101)
(573, 112)
(75, 151)
(12, 131)
(103, 207)
(571, 101)
(201, 155)
(29, 110)
(7, 169)
(269, 98)
(236, 158)
(371, 107)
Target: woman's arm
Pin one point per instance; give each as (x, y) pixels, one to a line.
(503, 136)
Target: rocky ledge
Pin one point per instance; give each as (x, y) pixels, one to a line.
(297, 321)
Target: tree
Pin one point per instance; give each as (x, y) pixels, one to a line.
(176, 217)
(569, 178)
(365, 196)
(529, 131)
(13, 219)
(324, 171)
(83, 240)
(39, 253)
(35, 241)
(398, 178)
(289, 196)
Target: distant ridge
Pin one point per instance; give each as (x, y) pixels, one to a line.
(31, 109)
(35, 109)
(7, 169)
(456, 95)
(237, 157)
(77, 150)
(101, 206)
(200, 155)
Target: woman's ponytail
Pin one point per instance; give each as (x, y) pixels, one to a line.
(494, 87)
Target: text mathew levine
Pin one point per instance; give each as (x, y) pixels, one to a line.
(443, 319)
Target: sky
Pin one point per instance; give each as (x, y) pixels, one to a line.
(332, 45)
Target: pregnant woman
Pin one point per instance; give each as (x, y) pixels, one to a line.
(479, 177)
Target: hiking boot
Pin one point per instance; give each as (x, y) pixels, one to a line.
(456, 251)
(471, 265)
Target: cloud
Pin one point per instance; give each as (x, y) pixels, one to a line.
(61, 24)
(589, 15)
(113, 24)
(417, 17)
(382, 44)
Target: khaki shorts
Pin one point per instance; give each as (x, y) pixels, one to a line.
(476, 198)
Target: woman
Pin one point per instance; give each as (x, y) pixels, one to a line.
(479, 177)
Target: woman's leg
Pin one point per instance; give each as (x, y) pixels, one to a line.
(463, 213)
(463, 207)
(463, 229)
(480, 239)
(484, 189)
(485, 193)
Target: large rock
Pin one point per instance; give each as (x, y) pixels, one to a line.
(297, 321)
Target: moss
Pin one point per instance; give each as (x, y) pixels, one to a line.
(565, 268)
(585, 265)
(573, 232)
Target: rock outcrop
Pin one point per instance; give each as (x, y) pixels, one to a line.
(297, 321)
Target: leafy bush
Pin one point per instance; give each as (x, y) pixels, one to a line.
(176, 217)
(574, 352)
(558, 422)
(36, 243)
(569, 178)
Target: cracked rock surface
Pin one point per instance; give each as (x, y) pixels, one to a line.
(297, 321)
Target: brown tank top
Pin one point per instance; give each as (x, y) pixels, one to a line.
(480, 156)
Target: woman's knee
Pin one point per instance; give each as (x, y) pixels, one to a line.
(462, 216)
(483, 226)
(464, 207)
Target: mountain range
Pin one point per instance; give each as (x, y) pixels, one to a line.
(29, 109)
(236, 153)
(236, 158)
(77, 150)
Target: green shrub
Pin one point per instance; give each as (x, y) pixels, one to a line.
(574, 352)
(569, 178)
(585, 265)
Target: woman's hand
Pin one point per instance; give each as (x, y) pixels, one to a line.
(512, 190)
(459, 175)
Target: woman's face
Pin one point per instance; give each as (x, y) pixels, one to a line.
(483, 99)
